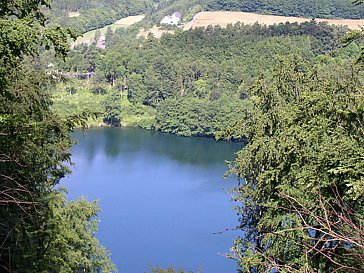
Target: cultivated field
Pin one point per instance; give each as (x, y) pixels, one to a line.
(124, 22)
(223, 18)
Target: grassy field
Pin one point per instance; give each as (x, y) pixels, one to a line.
(223, 18)
(66, 104)
(124, 22)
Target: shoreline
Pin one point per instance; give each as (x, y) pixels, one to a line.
(124, 126)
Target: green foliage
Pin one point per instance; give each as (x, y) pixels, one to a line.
(305, 143)
(34, 154)
(68, 233)
(81, 59)
(201, 89)
(114, 64)
(95, 14)
(198, 67)
(72, 90)
(196, 117)
(352, 38)
(213, 61)
(112, 106)
(93, 97)
(25, 32)
(85, 100)
(137, 114)
(98, 89)
(306, 8)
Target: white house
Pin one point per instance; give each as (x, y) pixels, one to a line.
(167, 20)
(173, 19)
(177, 15)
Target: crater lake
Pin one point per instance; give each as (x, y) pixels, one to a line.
(163, 197)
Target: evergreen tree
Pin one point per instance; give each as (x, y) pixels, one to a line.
(302, 176)
(34, 145)
(113, 107)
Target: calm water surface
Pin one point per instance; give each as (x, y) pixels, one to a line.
(162, 196)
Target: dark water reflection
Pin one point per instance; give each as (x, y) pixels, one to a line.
(162, 196)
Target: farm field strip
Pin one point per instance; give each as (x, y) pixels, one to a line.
(223, 18)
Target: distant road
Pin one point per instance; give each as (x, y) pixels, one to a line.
(223, 18)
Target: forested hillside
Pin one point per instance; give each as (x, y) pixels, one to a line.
(306, 8)
(191, 83)
(89, 15)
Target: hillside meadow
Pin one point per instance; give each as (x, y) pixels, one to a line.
(223, 18)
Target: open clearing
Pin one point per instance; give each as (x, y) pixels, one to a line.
(223, 18)
(157, 33)
(124, 22)
(73, 14)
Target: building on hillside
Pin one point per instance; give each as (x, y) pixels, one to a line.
(167, 20)
(101, 43)
(177, 15)
(173, 19)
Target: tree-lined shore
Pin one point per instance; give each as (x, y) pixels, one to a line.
(293, 92)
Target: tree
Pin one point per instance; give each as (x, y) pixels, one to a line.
(354, 36)
(34, 145)
(201, 89)
(303, 161)
(136, 88)
(114, 65)
(69, 226)
(113, 107)
(108, 35)
(97, 36)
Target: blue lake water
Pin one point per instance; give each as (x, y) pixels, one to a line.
(163, 197)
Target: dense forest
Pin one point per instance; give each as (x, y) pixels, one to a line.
(190, 83)
(307, 8)
(89, 15)
(302, 179)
